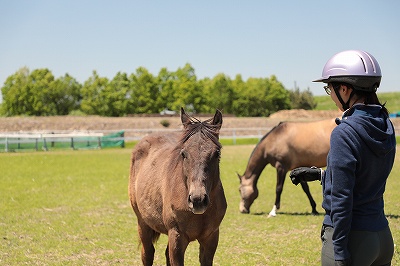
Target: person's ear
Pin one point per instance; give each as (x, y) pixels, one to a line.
(345, 89)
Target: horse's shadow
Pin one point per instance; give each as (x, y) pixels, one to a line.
(288, 213)
(390, 216)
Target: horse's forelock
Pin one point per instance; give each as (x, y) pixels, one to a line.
(205, 127)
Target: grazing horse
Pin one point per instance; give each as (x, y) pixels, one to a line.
(287, 146)
(175, 189)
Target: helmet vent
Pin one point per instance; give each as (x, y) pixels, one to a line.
(364, 64)
(372, 62)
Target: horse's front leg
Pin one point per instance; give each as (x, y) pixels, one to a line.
(306, 189)
(146, 235)
(208, 247)
(177, 244)
(280, 180)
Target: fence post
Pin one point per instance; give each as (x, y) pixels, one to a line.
(44, 144)
(6, 144)
(123, 139)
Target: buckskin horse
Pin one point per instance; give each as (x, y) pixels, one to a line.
(287, 146)
(175, 189)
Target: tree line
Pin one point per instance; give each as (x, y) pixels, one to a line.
(39, 93)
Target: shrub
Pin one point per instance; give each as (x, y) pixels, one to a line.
(165, 123)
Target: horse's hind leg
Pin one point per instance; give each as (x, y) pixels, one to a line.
(306, 189)
(147, 237)
(208, 247)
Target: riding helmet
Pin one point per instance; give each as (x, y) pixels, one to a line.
(355, 67)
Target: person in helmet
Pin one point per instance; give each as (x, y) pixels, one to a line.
(355, 230)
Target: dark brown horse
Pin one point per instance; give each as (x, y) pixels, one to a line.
(175, 189)
(285, 147)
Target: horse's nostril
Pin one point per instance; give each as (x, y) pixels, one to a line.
(199, 200)
(205, 200)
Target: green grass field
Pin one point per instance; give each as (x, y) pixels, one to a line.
(72, 208)
(392, 100)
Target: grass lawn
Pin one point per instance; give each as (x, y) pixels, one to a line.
(72, 208)
(392, 100)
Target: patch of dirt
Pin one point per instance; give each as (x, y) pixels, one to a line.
(307, 115)
(112, 124)
(48, 123)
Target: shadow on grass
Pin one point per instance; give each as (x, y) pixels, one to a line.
(289, 213)
(390, 216)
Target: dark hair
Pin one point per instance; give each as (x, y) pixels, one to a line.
(370, 97)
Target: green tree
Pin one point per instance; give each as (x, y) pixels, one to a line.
(276, 96)
(187, 93)
(67, 94)
(92, 92)
(240, 101)
(259, 96)
(44, 98)
(220, 93)
(38, 93)
(116, 96)
(16, 94)
(206, 105)
(302, 100)
(166, 95)
(144, 92)
(255, 96)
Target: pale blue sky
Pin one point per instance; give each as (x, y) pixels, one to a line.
(289, 39)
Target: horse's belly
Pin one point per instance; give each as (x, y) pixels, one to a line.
(154, 220)
(150, 206)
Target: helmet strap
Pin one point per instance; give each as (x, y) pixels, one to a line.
(345, 105)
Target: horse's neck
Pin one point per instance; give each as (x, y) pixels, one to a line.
(256, 164)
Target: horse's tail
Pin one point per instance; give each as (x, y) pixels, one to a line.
(155, 237)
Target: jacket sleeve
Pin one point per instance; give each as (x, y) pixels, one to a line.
(343, 165)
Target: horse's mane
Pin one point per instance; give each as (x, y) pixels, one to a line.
(194, 126)
(266, 135)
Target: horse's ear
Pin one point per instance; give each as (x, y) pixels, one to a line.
(217, 120)
(240, 177)
(184, 117)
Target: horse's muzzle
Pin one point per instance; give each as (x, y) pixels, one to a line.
(198, 203)
(242, 208)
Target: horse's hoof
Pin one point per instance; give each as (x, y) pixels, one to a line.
(272, 213)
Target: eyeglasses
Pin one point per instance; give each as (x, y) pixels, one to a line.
(327, 89)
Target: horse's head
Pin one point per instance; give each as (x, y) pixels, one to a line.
(248, 193)
(200, 151)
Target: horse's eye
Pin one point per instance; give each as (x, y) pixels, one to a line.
(218, 154)
(183, 154)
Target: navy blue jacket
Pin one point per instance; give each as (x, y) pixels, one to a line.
(361, 156)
